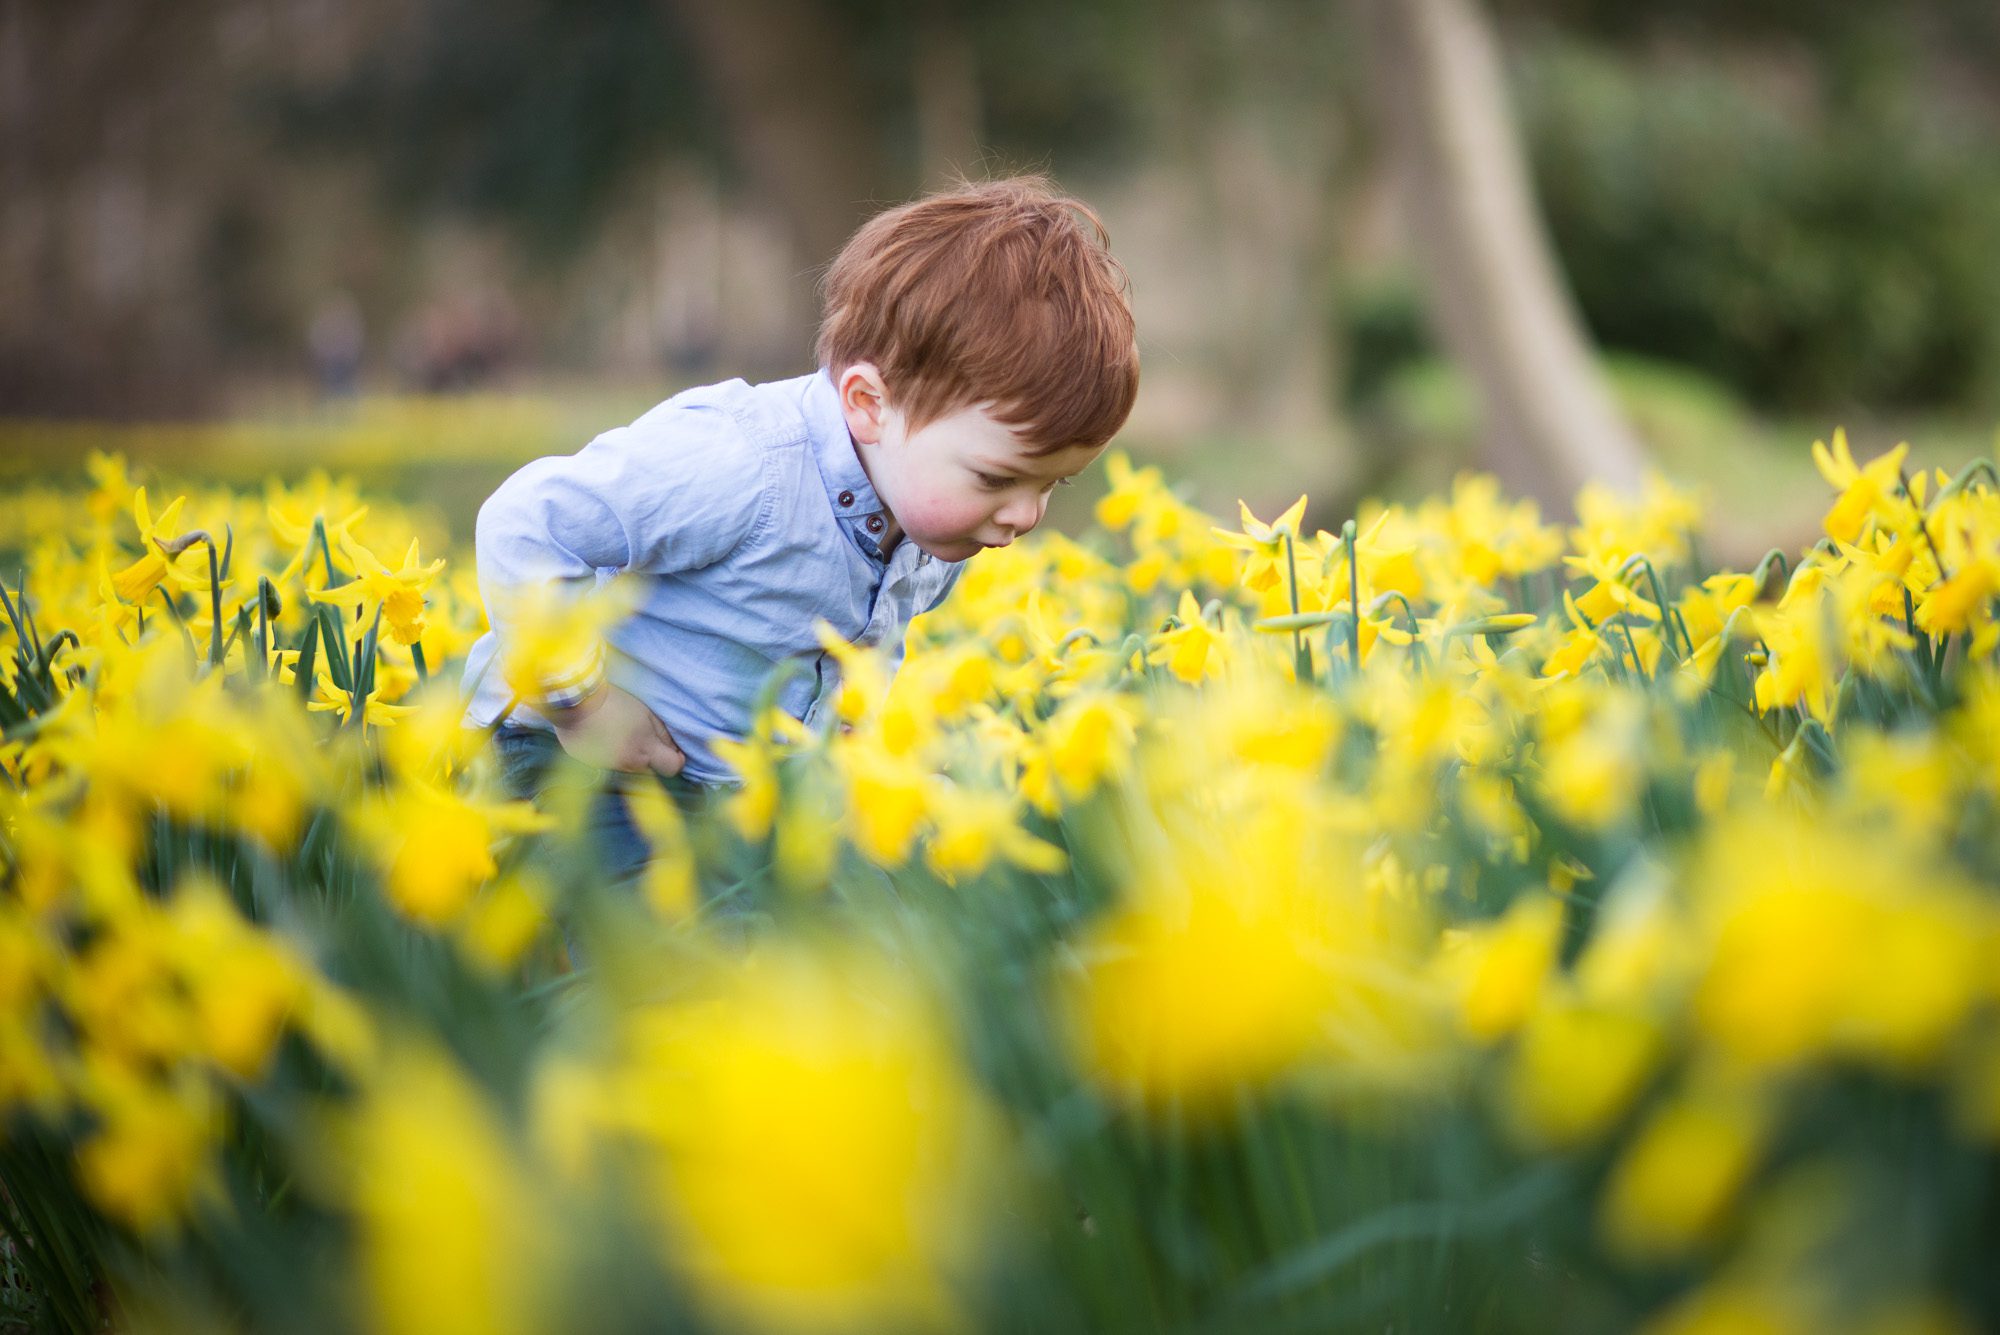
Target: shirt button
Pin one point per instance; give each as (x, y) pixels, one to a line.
(874, 523)
(847, 498)
(923, 558)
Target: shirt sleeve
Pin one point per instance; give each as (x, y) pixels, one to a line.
(678, 491)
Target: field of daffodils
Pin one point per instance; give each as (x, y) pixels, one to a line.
(1459, 921)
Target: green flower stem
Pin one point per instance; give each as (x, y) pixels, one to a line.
(215, 649)
(1638, 664)
(194, 652)
(1977, 468)
(1924, 528)
(1353, 595)
(325, 548)
(1645, 563)
(265, 593)
(1301, 657)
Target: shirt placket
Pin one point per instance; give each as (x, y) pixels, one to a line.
(892, 599)
(872, 525)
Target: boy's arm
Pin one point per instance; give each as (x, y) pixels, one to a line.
(679, 493)
(613, 729)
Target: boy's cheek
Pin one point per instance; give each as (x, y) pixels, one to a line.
(941, 517)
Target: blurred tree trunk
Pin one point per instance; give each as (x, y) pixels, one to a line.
(1495, 294)
(1256, 140)
(783, 77)
(945, 80)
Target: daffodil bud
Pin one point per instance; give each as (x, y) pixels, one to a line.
(172, 547)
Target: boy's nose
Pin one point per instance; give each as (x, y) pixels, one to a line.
(1019, 516)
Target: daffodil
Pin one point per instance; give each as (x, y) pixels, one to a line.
(1578, 1068)
(1962, 601)
(149, 1162)
(142, 576)
(1502, 966)
(243, 983)
(1087, 740)
(752, 803)
(111, 484)
(435, 848)
(1130, 489)
(292, 511)
(443, 1213)
(670, 881)
(974, 829)
(1615, 527)
(1825, 941)
(1871, 492)
(814, 1150)
(1266, 563)
(1683, 1172)
(503, 922)
(1801, 664)
(1610, 593)
(1200, 986)
(376, 711)
(399, 593)
(889, 797)
(1189, 647)
(554, 638)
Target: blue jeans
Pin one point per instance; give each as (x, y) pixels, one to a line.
(532, 761)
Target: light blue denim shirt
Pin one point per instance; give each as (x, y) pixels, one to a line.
(746, 514)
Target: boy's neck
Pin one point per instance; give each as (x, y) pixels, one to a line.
(893, 532)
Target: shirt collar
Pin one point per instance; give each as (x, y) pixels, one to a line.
(848, 490)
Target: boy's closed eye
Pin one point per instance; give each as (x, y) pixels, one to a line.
(997, 482)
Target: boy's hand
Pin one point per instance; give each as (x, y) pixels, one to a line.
(613, 730)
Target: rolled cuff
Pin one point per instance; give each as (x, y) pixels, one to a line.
(571, 689)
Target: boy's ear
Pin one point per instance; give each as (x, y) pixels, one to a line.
(864, 401)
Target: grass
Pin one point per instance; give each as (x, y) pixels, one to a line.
(447, 454)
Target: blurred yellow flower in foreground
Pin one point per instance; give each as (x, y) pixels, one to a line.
(976, 828)
(435, 846)
(820, 1152)
(1683, 1172)
(243, 982)
(555, 636)
(147, 1163)
(1501, 966)
(1088, 740)
(447, 1225)
(1237, 958)
(1736, 1307)
(1832, 941)
(1576, 1069)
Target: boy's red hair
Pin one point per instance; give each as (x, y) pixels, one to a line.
(1002, 293)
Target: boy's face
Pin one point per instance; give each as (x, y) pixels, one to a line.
(959, 483)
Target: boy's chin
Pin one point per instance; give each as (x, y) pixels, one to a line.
(953, 551)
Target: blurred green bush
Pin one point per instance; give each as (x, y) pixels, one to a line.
(1808, 250)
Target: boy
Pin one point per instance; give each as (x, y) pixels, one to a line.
(976, 351)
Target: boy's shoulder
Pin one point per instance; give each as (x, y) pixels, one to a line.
(771, 415)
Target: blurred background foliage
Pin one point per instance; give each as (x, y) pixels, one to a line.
(1773, 216)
